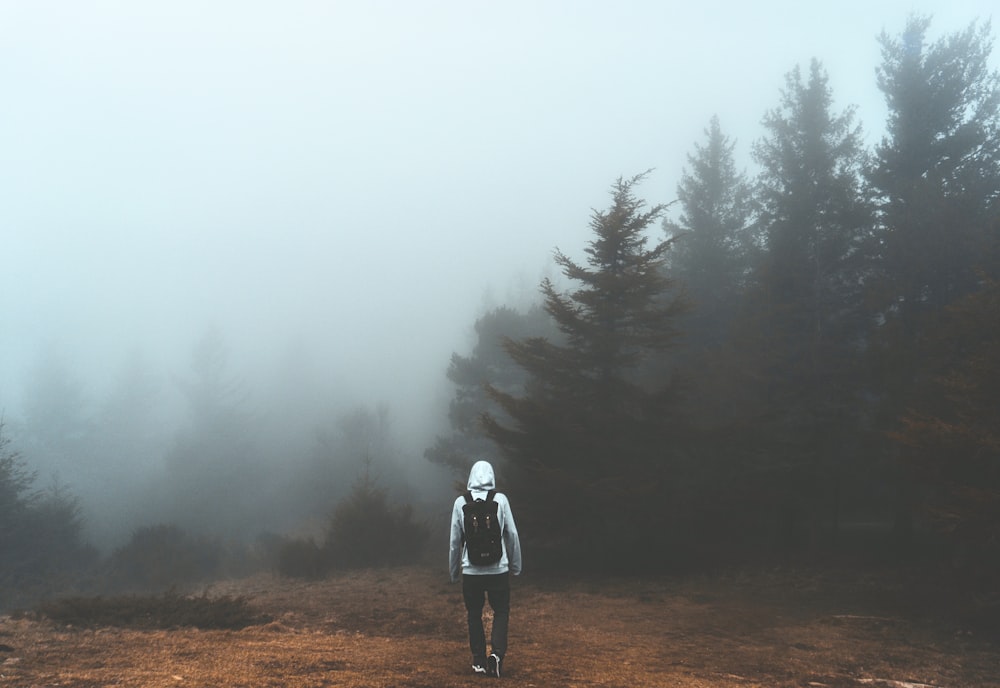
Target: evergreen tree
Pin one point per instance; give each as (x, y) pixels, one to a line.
(712, 253)
(807, 320)
(214, 468)
(715, 248)
(937, 170)
(936, 175)
(590, 447)
(813, 216)
(57, 427)
(41, 542)
(949, 438)
(129, 440)
(16, 494)
(711, 260)
(488, 363)
(367, 528)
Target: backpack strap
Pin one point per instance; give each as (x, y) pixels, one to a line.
(468, 500)
(489, 498)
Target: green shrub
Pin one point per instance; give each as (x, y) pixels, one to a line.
(366, 530)
(163, 556)
(297, 558)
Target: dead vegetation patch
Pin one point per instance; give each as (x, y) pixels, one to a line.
(166, 611)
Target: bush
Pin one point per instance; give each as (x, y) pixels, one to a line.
(170, 610)
(366, 530)
(163, 556)
(300, 559)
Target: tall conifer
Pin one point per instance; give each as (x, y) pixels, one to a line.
(807, 321)
(711, 255)
(587, 445)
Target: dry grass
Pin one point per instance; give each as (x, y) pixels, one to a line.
(405, 627)
(167, 611)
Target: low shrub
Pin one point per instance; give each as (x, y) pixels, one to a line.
(367, 530)
(166, 611)
(163, 556)
(300, 558)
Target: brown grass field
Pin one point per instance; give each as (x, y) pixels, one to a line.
(406, 627)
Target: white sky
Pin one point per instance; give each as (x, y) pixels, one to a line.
(360, 176)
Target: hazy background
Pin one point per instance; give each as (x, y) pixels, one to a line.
(338, 189)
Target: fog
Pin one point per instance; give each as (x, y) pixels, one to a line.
(332, 192)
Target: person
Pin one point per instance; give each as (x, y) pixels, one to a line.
(490, 582)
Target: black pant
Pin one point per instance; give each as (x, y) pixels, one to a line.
(475, 590)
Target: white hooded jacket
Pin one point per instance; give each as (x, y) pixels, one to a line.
(481, 481)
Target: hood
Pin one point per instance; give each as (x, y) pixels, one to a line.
(481, 477)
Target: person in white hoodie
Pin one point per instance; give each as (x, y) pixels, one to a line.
(490, 582)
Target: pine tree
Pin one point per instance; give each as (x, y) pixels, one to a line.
(41, 533)
(949, 438)
(588, 446)
(814, 220)
(215, 465)
(937, 171)
(936, 175)
(711, 255)
(489, 364)
(813, 217)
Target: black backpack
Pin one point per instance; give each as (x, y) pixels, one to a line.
(482, 530)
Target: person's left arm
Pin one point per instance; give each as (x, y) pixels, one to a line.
(455, 544)
(511, 540)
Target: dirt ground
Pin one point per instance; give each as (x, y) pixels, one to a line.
(406, 627)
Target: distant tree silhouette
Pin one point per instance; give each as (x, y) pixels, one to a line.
(126, 421)
(805, 321)
(56, 430)
(936, 175)
(128, 443)
(937, 170)
(359, 432)
(589, 448)
(489, 363)
(215, 395)
(214, 471)
(711, 258)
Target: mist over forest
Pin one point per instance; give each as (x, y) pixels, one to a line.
(334, 254)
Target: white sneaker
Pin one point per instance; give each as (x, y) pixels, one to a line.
(493, 663)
